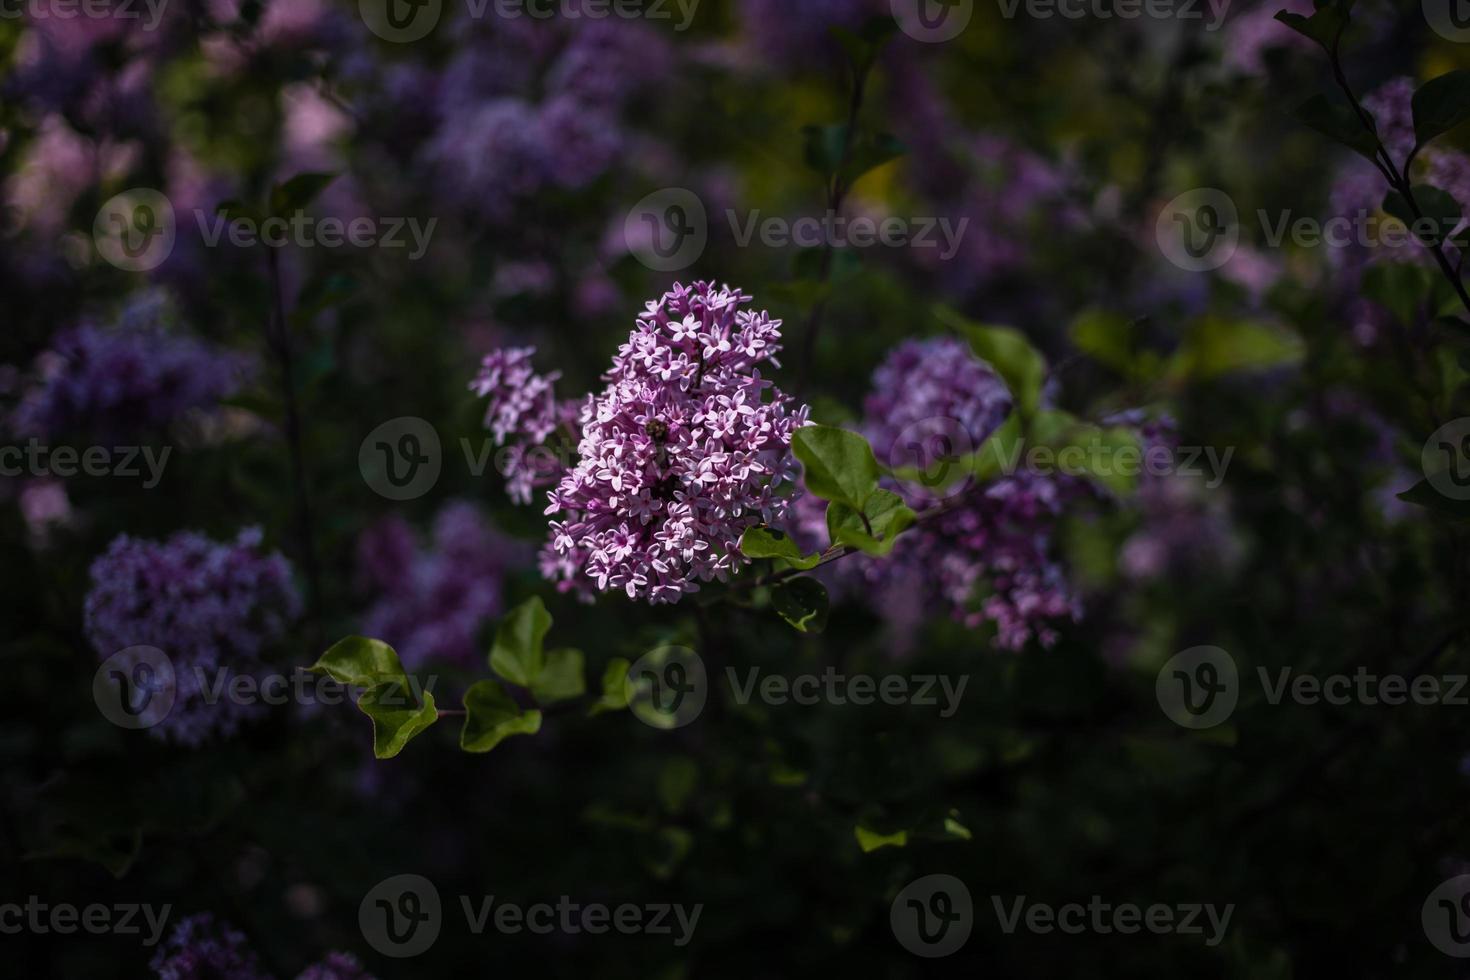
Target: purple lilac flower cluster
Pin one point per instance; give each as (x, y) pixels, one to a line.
(432, 602)
(211, 608)
(988, 560)
(685, 448)
(134, 375)
(789, 35)
(203, 948)
(493, 147)
(522, 415)
(336, 966)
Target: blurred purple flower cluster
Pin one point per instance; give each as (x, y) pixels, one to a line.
(989, 558)
(492, 145)
(686, 448)
(212, 608)
(201, 947)
(431, 602)
(135, 375)
(522, 414)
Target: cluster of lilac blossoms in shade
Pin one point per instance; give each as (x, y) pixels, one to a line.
(988, 559)
(211, 608)
(522, 415)
(203, 948)
(134, 375)
(432, 602)
(685, 448)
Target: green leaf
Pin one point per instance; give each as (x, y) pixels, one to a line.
(954, 828)
(1423, 494)
(1434, 204)
(1106, 337)
(869, 153)
(361, 662)
(1008, 351)
(802, 602)
(1441, 104)
(516, 654)
(1000, 453)
(871, 840)
(492, 716)
(887, 515)
(562, 677)
(1340, 123)
(296, 193)
(1217, 346)
(1086, 450)
(396, 717)
(840, 465)
(1323, 26)
(614, 687)
(822, 147)
(768, 542)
